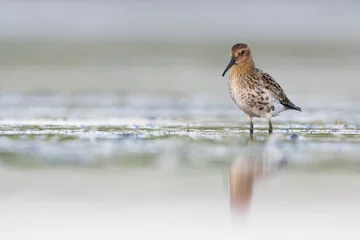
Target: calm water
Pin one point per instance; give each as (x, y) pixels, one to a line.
(105, 165)
(111, 139)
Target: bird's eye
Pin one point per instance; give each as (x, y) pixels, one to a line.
(242, 52)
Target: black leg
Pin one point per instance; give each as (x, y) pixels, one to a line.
(270, 127)
(251, 127)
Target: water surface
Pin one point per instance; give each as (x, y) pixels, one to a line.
(111, 139)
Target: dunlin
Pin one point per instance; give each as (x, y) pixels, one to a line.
(255, 92)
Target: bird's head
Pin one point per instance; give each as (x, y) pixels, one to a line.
(241, 56)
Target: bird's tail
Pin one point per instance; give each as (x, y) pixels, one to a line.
(292, 106)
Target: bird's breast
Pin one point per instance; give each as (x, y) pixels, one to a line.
(255, 101)
(243, 98)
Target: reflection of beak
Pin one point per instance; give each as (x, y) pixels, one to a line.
(231, 63)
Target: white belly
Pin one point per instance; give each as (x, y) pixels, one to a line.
(238, 97)
(278, 107)
(252, 109)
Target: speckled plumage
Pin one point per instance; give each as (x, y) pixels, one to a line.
(255, 92)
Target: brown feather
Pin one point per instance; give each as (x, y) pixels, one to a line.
(276, 90)
(256, 93)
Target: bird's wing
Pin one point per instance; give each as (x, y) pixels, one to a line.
(271, 85)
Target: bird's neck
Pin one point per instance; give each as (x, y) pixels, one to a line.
(243, 69)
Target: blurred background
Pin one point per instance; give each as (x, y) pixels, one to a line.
(115, 120)
(171, 46)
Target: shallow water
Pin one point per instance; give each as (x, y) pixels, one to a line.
(104, 139)
(105, 165)
(96, 129)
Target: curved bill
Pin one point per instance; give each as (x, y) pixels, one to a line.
(231, 63)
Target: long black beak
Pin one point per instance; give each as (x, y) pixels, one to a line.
(231, 63)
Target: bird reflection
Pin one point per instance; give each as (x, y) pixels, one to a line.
(251, 135)
(247, 169)
(242, 178)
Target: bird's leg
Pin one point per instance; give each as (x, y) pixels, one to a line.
(251, 129)
(251, 125)
(270, 127)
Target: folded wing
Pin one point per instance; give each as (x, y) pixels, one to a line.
(271, 85)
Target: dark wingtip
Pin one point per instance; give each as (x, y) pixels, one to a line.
(297, 109)
(292, 107)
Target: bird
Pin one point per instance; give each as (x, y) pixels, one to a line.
(254, 91)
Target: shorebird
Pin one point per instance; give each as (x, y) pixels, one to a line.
(255, 92)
